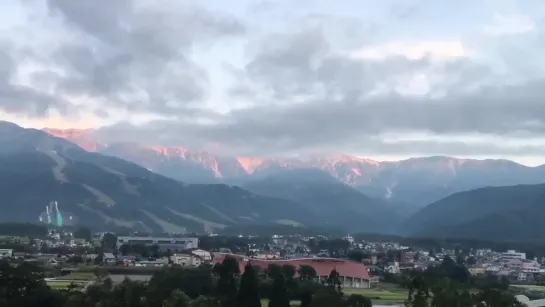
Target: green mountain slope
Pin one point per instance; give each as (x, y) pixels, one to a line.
(522, 225)
(452, 215)
(333, 202)
(97, 190)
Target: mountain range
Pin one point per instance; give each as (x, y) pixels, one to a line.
(134, 186)
(106, 191)
(415, 181)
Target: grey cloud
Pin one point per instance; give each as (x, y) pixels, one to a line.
(132, 55)
(15, 98)
(170, 133)
(339, 111)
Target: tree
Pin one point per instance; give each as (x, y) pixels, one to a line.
(333, 282)
(357, 300)
(83, 233)
(273, 269)
(306, 272)
(76, 259)
(357, 255)
(306, 299)
(231, 264)
(226, 289)
(177, 299)
(248, 293)
(24, 285)
(109, 242)
(279, 293)
(471, 260)
(203, 301)
(289, 271)
(155, 251)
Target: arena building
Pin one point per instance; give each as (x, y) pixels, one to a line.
(352, 274)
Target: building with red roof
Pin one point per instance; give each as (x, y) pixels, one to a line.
(352, 274)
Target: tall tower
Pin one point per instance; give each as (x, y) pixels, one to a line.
(59, 216)
(48, 214)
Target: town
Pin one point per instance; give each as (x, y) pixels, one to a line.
(376, 269)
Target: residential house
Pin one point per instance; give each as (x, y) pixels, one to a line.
(267, 255)
(153, 263)
(512, 254)
(477, 269)
(206, 256)
(6, 253)
(109, 259)
(187, 259)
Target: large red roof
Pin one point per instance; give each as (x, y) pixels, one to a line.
(323, 266)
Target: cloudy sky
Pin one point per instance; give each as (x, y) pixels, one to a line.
(381, 79)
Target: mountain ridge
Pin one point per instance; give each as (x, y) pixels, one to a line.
(37, 168)
(418, 181)
(511, 213)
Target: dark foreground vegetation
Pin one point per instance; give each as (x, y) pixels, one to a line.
(445, 285)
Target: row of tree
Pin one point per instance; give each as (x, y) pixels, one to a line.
(24, 285)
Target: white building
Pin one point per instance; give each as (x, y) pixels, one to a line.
(512, 254)
(187, 259)
(204, 255)
(6, 253)
(164, 243)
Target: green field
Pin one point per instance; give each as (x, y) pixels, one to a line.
(265, 302)
(79, 276)
(529, 287)
(382, 295)
(63, 284)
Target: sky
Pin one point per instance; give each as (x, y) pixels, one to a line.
(379, 79)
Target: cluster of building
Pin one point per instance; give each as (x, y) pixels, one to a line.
(282, 251)
(511, 264)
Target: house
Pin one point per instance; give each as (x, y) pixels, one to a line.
(126, 260)
(206, 256)
(152, 263)
(512, 254)
(477, 269)
(109, 259)
(6, 253)
(187, 259)
(19, 255)
(531, 266)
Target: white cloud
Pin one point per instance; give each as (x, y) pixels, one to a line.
(413, 50)
(510, 25)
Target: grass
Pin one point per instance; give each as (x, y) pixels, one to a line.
(530, 287)
(265, 302)
(59, 285)
(85, 276)
(385, 294)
